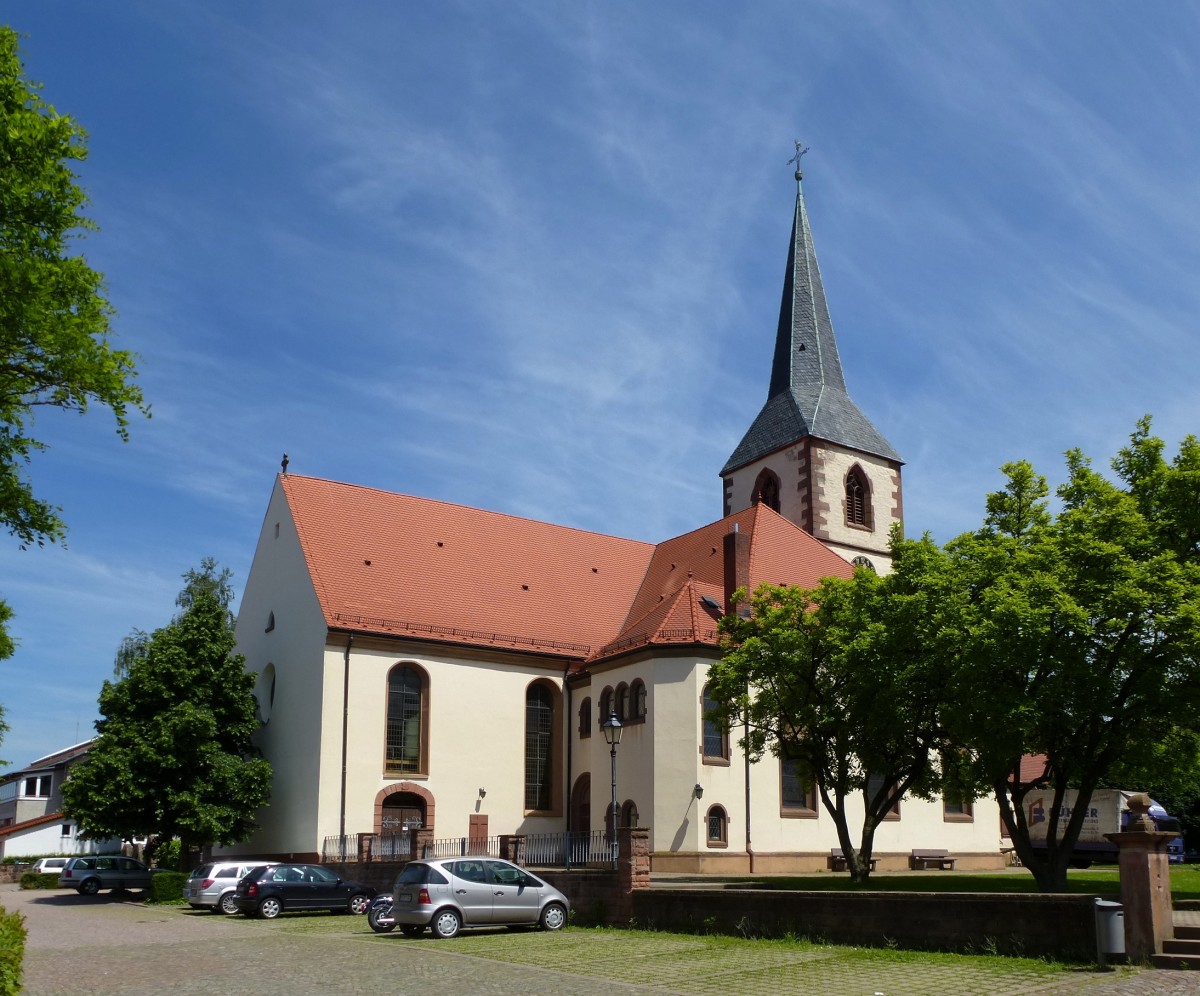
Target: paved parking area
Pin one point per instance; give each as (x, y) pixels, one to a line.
(109, 945)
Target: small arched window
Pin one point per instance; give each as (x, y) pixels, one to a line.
(766, 490)
(622, 702)
(606, 706)
(637, 701)
(858, 499)
(585, 719)
(716, 827)
(629, 814)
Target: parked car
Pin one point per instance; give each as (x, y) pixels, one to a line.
(50, 866)
(104, 871)
(269, 890)
(448, 894)
(211, 886)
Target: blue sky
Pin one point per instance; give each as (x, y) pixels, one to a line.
(528, 256)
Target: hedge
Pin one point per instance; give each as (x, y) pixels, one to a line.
(167, 887)
(12, 952)
(39, 880)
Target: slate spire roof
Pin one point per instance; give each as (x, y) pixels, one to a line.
(807, 396)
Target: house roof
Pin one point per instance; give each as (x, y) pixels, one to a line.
(67, 755)
(670, 605)
(807, 395)
(397, 565)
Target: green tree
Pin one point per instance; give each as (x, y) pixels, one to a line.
(54, 318)
(174, 756)
(846, 680)
(1078, 638)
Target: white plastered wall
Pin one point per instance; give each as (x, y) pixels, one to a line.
(295, 733)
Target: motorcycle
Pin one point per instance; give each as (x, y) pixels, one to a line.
(379, 915)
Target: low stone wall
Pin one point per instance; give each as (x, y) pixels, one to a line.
(1061, 926)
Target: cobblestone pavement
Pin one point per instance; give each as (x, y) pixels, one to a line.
(109, 945)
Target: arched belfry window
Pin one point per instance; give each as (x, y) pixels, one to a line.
(766, 490)
(407, 710)
(858, 499)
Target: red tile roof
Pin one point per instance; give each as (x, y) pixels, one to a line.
(394, 564)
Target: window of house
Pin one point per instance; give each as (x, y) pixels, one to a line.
(874, 785)
(714, 748)
(65, 830)
(858, 499)
(717, 827)
(766, 490)
(606, 706)
(797, 792)
(622, 702)
(539, 744)
(37, 787)
(957, 811)
(585, 719)
(629, 814)
(406, 713)
(637, 701)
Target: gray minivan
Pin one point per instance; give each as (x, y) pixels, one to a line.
(210, 886)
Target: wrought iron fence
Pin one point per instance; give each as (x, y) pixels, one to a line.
(540, 850)
(567, 850)
(452, 847)
(340, 848)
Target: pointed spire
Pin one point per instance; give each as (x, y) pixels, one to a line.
(807, 395)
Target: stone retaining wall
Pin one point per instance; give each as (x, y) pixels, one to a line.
(1057, 925)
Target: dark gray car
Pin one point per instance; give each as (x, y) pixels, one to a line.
(103, 871)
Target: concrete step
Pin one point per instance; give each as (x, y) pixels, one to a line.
(1179, 962)
(1187, 933)
(1186, 946)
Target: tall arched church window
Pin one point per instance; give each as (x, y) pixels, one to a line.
(406, 712)
(714, 747)
(858, 499)
(766, 490)
(539, 748)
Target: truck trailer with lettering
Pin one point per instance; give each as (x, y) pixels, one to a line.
(1107, 812)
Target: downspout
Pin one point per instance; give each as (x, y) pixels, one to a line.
(746, 752)
(345, 733)
(567, 733)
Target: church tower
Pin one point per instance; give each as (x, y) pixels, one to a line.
(811, 454)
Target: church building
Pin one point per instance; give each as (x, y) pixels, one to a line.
(429, 665)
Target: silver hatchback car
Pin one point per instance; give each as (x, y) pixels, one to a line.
(211, 886)
(448, 894)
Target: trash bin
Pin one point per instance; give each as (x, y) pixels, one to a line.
(1110, 929)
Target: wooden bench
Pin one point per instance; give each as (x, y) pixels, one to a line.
(837, 860)
(930, 858)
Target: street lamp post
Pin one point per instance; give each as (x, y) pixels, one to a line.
(612, 737)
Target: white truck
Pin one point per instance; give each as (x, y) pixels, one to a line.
(1107, 812)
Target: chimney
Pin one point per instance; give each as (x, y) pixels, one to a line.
(737, 567)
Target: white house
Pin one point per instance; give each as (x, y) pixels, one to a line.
(31, 818)
(423, 663)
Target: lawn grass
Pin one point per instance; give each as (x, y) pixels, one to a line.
(1099, 880)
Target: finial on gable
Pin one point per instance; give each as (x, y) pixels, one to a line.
(283, 463)
(801, 152)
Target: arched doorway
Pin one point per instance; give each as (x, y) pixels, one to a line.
(402, 811)
(581, 804)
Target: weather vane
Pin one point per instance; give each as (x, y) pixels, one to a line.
(801, 152)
